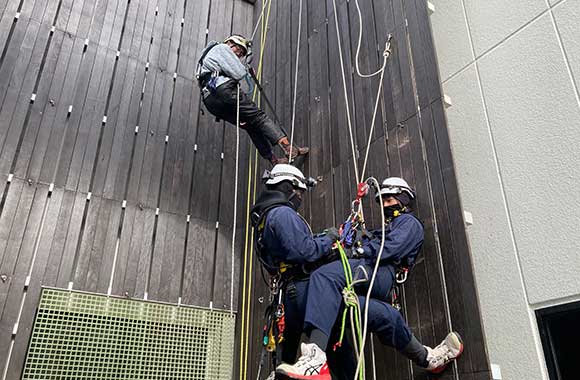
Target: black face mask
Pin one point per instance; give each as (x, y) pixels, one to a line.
(295, 199)
(392, 211)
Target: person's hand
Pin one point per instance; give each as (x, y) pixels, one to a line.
(332, 233)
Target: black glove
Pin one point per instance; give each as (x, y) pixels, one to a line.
(332, 233)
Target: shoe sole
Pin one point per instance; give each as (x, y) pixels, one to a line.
(297, 154)
(286, 376)
(437, 371)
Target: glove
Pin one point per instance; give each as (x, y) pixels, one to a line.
(332, 233)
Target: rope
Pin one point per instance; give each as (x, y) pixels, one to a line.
(235, 199)
(349, 122)
(352, 305)
(386, 54)
(373, 357)
(295, 81)
(360, 32)
(258, 21)
(248, 244)
(368, 295)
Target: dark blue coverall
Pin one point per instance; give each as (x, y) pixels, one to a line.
(287, 238)
(404, 237)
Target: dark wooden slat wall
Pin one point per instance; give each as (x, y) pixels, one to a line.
(410, 140)
(112, 181)
(140, 204)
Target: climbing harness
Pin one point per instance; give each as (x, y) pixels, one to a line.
(208, 79)
(273, 331)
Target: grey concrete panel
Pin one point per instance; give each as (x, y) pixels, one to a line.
(451, 38)
(567, 15)
(492, 21)
(501, 291)
(534, 117)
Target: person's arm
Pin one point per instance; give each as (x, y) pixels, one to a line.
(399, 242)
(229, 64)
(295, 239)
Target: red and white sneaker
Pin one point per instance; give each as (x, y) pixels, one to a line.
(311, 365)
(447, 351)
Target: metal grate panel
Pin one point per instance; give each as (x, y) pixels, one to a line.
(85, 336)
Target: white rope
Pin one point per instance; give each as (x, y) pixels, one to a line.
(386, 55)
(381, 71)
(296, 81)
(235, 200)
(360, 32)
(259, 19)
(375, 270)
(345, 93)
(373, 357)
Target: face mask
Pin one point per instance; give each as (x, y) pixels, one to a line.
(392, 211)
(295, 199)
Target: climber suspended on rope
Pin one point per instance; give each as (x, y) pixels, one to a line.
(219, 70)
(287, 248)
(402, 241)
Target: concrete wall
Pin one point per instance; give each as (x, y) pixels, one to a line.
(512, 71)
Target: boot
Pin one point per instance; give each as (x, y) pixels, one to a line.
(296, 150)
(311, 365)
(275, 160)
(447, 351)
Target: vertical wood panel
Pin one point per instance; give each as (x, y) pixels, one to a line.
(95, 243)
(90, 240)
(403, 144)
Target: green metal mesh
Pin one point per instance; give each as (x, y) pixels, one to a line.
(86, 336)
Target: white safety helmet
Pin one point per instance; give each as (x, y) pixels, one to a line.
(286, 172)
(393, 186)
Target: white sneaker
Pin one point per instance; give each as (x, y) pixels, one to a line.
(311, 365)
(447, 351)
(271, 376)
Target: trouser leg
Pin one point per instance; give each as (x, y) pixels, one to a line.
(264, 133)
(392, 330)
(260, 142)
(295, 305)
(325, 292)
(258, 120)
(341, 361)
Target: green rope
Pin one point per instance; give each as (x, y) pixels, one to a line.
(351, 301)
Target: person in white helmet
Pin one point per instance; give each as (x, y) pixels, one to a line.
(404, 238)
(286, 247)
(219, 70)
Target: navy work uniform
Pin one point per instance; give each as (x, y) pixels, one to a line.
(404, 237)
(287, 239)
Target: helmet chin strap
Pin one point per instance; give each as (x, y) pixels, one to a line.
(295, 200)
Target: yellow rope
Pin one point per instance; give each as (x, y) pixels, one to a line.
(249, 244)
